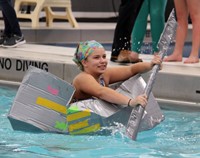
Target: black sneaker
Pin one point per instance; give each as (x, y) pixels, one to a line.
(13, 41)
(2, 39)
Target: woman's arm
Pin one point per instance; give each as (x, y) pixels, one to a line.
(87, 84)
(121, 73)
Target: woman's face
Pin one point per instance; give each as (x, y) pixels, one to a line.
(96, 62)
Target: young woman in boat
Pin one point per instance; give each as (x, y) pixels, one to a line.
(93, 81)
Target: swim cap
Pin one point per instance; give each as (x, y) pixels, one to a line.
(83, 50)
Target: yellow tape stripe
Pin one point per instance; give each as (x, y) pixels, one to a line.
(86, 130)
(51, 105)
(78, 125)
(78, 115)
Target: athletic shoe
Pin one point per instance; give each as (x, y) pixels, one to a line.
(13, 41)
(2, 39)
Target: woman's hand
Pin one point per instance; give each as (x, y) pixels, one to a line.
(139, 100)
(156, 61)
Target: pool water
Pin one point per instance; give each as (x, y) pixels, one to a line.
(177, 136)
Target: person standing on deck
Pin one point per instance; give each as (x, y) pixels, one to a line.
(156, 10)
(12, 35)
(128, 11)
(184, 8)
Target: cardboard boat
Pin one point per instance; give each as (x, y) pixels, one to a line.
(42, 105)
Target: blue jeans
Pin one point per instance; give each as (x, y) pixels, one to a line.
(10, 19)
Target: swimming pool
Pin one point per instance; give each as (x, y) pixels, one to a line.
(177, 136)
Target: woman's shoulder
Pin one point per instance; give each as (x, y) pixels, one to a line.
(81, 77)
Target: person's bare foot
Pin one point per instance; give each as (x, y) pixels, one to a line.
(191, 60)
(173, 58)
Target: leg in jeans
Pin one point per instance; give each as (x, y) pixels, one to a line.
(12, 36)
(10, 19)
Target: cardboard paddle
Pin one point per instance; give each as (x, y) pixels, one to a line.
(163, 44)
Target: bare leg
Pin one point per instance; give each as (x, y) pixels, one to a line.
(182, 18)
(194, 11)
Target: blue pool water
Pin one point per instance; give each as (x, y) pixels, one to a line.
(178, 136)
